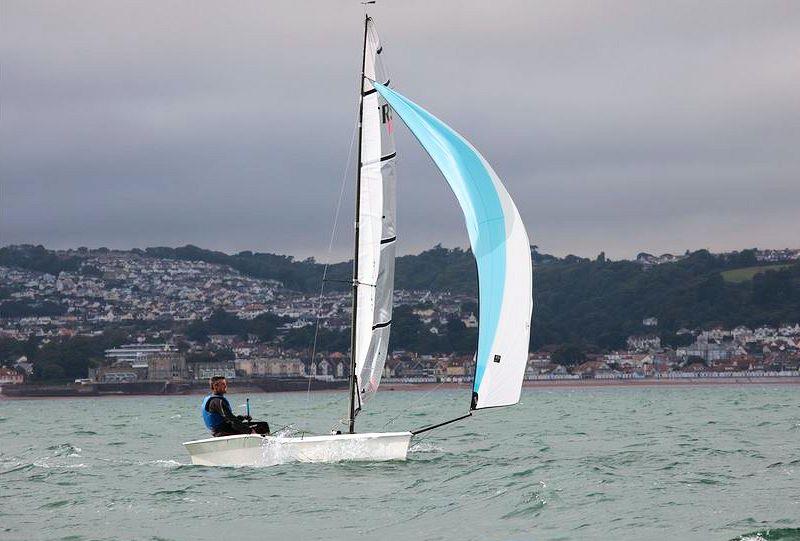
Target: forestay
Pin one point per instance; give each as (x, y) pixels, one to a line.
(376, 216)
(501, 248)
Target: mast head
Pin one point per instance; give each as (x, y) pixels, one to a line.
(365, 4)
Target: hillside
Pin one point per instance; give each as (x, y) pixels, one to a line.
(603, 302)
(577, 300)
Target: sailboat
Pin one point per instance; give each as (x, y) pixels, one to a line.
(499, 243)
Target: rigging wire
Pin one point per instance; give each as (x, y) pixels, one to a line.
(393, 419)
(330, 250)
(459, 385)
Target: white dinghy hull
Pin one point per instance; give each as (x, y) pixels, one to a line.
(256, 450)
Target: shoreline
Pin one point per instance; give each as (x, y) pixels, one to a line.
(579, 383)
(429, 387)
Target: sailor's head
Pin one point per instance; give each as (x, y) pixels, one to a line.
(219, 385)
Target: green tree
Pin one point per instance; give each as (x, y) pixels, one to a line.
(265, 326)
(568, 355)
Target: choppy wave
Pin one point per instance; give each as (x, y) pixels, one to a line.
(164, 463)
(424, 447)
(599, 464)
(65, 449)
(778, 534)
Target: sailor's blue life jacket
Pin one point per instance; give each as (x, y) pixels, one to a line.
(213, 420)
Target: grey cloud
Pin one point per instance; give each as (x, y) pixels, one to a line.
(619, 126)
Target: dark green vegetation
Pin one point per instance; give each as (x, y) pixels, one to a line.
(600, 303)
(409, 333)
(31, 309)
(64, 359)
(264, 327)
(568, 355)
(37, 258)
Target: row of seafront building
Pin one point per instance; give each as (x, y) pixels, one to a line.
(163, 362)
(747, 355)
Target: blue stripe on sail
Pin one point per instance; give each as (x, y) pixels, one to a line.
(474, 188)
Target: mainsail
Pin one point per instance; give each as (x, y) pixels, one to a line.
(376, 226)
(500, 245)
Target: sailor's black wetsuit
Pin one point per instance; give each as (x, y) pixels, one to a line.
(222, 422)
(231, 424)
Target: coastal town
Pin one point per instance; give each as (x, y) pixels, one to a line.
(160, 302)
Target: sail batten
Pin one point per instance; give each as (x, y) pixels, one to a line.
(501, 248)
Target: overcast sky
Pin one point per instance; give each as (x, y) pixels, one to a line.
(616, 126)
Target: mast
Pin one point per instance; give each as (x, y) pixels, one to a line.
(353, 382)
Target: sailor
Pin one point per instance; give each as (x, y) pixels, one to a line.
(219, 418)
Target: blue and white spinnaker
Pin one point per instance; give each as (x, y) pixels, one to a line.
(501, 248)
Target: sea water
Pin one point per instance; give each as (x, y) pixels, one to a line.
(672, 463)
